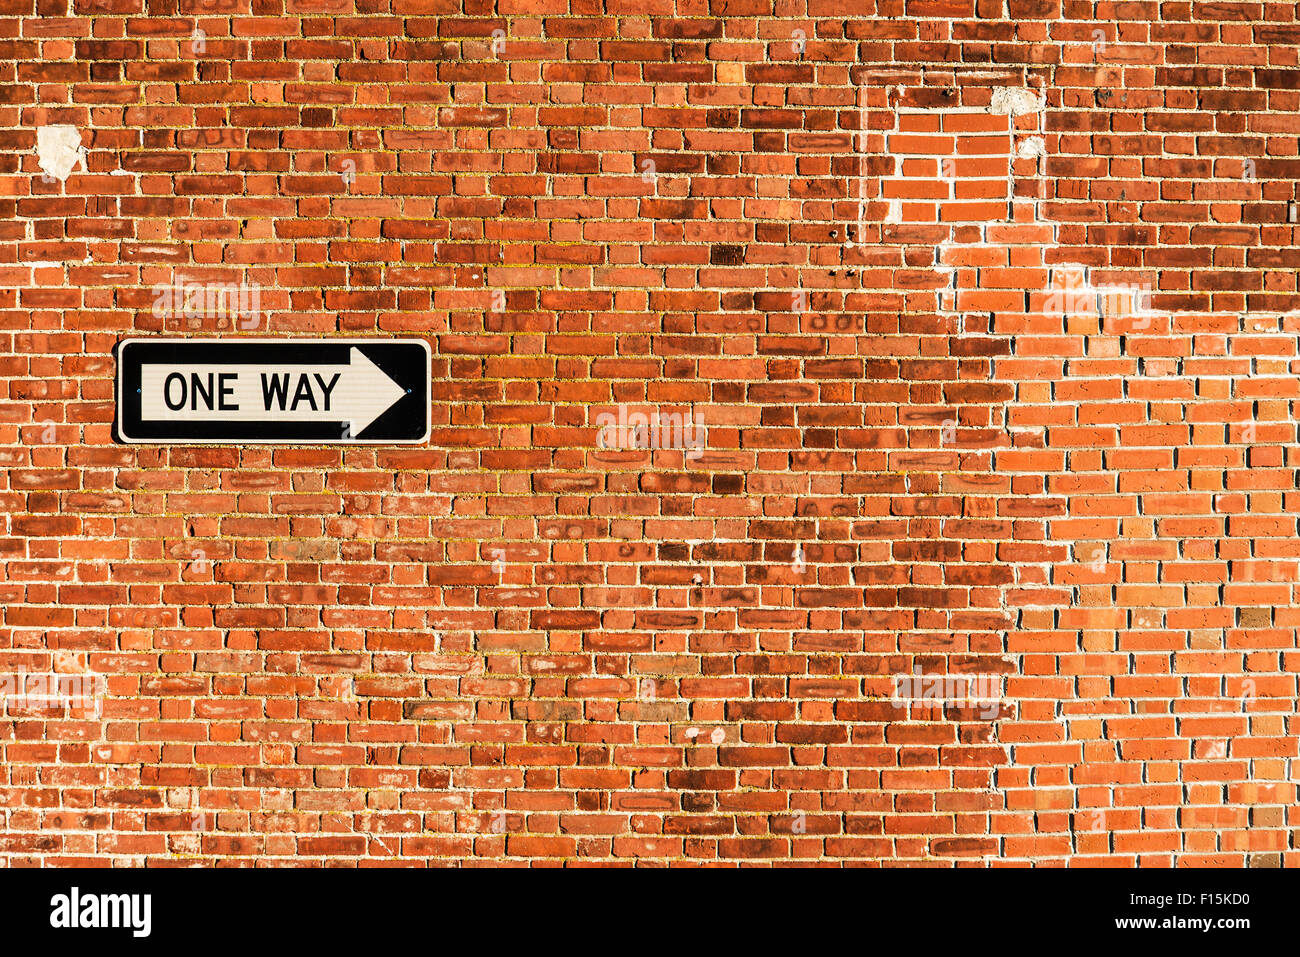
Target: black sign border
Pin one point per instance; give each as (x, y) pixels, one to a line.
(396, 357)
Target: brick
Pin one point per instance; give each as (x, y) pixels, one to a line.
(990, 375)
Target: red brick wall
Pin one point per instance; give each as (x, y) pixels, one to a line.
(979, 316)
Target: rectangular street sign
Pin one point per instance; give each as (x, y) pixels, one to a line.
(254, 391)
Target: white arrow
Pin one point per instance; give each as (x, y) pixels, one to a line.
(356, 393)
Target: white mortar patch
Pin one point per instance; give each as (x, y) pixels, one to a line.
(59, 150)
(1031, 146)
(1016, 101)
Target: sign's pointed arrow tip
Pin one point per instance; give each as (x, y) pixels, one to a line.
(372, 392)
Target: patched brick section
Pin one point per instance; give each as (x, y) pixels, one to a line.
(951, 167)
(1151, 645)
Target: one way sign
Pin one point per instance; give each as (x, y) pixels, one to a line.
(353, 391)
